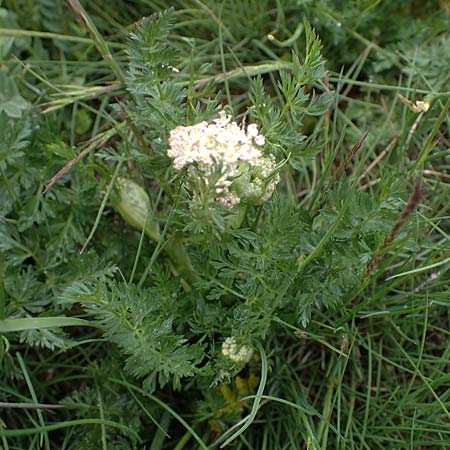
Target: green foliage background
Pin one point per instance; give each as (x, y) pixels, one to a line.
(96, 317)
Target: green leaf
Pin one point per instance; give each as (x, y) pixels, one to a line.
(37, 323)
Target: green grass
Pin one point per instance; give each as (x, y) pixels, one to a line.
(368, 372)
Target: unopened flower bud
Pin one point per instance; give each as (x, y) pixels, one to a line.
(254, 186)
(133, 204)
(235, 352)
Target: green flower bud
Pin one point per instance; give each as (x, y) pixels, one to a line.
(238, 353)
(254, 185)
(133, 204)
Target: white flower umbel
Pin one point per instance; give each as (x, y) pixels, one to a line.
(224, 158)
(235, 352)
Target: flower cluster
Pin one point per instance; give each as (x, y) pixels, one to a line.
(237, 353)
(227, 158)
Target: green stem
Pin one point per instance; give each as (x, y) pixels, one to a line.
(234, 221)
(176, 251)
(133, 204)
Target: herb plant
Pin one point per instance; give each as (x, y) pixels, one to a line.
(189, 233)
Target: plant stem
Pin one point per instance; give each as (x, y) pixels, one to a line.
(176, 251)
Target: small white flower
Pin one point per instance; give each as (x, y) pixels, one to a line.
(252, 130)
(220, 150)
(235, 352)
(422, 106)
(229, 200)
(260, 140)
